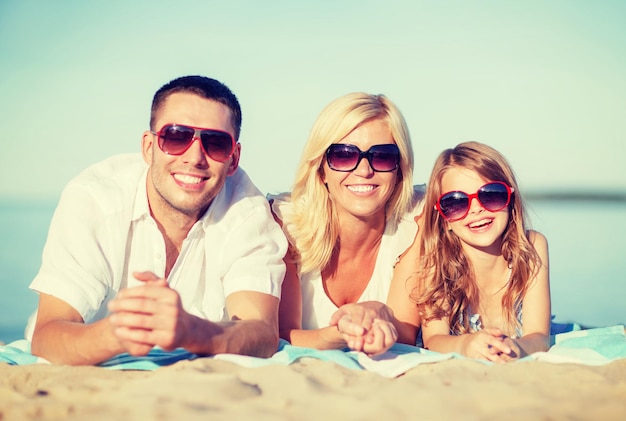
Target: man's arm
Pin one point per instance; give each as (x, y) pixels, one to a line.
(254, 326)
(152, 315)
(82, 253)
(61, 336)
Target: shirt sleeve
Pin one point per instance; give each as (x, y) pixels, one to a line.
(254, 252)
(73, 267)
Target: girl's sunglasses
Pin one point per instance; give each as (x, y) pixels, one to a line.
(345, 157)
(493, 196)
(175, 139)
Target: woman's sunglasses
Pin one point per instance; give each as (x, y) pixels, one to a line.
(345, 157)
(493, 196)
(175, 139)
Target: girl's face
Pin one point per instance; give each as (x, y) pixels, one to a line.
(362, 193)
(480, 228)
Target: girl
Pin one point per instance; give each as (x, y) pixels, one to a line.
(483, 284)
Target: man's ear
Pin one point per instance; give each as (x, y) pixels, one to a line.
(147, 142)
(234, 159)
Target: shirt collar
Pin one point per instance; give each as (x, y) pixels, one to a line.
(141, 209)
(215, 212)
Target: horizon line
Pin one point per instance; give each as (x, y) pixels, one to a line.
(541, 194)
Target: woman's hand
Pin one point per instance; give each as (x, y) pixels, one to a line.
(380, 337)
(366, 327)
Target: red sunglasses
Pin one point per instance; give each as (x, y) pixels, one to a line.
(493, 196)
(175, 139)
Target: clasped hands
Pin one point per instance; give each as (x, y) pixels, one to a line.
(492, 345)
(148, 315)
(367, 327)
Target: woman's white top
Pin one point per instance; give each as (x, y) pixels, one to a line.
(317, 307)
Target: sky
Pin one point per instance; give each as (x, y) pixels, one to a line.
(544, 82)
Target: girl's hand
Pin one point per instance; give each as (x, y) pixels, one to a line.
(488, 344)
(516, 351)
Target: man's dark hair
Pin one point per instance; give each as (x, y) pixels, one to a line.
(206, 88)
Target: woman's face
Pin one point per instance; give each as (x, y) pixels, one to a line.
(480, 228)
(362, 193)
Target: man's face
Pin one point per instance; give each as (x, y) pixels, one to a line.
(186, 184)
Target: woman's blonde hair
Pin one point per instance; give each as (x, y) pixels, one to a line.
(448, 284)
(312, 224)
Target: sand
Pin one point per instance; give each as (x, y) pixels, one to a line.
(311, 389)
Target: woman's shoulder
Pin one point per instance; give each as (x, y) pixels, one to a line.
(279, 204)
(416, 206)
(402, 236)
(419, 194)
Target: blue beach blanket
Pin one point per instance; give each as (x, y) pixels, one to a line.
(597, 346)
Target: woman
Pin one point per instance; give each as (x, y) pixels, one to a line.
(349, 217)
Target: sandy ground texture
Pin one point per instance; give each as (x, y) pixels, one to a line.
(311, 389)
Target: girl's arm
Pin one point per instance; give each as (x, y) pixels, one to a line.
(487, 344)
(536, 309)
(490, 343)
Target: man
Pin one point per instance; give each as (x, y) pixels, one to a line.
(181, 253)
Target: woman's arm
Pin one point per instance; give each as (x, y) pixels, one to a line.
(290, 310)
(290, 315)
(403, 285)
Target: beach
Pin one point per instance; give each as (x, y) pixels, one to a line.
(311, 389)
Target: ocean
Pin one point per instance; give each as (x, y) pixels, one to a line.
(585, 237)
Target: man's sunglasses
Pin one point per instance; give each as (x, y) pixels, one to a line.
(175, 139)
(493, 196)
(344, 157)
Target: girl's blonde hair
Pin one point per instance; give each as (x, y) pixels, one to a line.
(447, 284)
(312, 223)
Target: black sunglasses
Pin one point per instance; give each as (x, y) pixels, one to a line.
(175, 139)
(345, 157)
(493, 196)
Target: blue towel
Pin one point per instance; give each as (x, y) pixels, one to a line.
(18, 353)
(288, 354)
(156, 358)
(590, 346)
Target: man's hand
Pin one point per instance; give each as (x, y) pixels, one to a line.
(148, 315)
